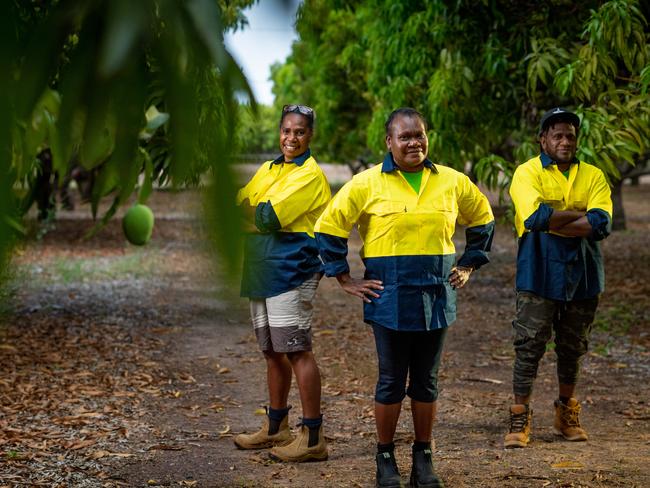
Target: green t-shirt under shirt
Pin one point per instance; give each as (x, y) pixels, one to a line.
(413, 179)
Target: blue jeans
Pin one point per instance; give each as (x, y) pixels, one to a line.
(412, 354)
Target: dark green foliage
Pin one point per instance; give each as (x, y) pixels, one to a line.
(258, 130)
(482, 72)
(118, 89)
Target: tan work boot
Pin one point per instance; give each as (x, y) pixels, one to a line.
(521, 419)
(299, 451)
(261, 439)
(567, 421)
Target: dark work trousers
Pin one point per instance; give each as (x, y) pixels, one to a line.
(536, 321)
(412, 354)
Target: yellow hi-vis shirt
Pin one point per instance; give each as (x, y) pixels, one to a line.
(407, 240)
(548, 264)
(288, 198)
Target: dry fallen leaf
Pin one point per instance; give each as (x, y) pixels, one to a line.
(568, 465)
(99, 454)
(92, 392)
(324, 332)
(165, 447)
(82, 444)
(93, 415)
(186, 378)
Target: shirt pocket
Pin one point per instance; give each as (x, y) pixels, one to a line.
(552, 194)
(437, 225)
(579, 201)
(383, 218)
(444, 203)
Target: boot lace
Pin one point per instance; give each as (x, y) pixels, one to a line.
(570, 415)
(518, 421)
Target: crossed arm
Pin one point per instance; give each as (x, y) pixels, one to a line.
(570, 223)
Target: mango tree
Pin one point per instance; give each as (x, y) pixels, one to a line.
(481, 72)
(118, 88)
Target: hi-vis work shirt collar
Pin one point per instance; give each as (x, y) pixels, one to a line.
(299, 160)
(389, 164)
(547, 160)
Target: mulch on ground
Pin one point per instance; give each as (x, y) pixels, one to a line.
(135, 367)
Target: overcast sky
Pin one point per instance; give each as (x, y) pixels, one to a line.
(267, 39)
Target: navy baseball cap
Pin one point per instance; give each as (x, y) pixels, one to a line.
(558, 114)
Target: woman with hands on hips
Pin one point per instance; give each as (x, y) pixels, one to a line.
(406, 211)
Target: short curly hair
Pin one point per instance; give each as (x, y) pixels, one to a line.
(405, 112)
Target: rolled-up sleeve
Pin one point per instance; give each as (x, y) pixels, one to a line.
(333, 252)
(479, 243)
(540, 219)
(599, 208)
(601, 224)
(266, 220)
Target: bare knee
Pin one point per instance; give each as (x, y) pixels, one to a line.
(300, 357)
(275, 358)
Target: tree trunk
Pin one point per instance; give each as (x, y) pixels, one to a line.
(618, 220)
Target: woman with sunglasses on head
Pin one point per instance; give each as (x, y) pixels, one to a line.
(406, 210)
(281, 273)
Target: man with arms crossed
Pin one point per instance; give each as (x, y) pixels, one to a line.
(562, 209)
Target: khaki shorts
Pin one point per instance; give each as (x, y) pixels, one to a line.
(283, 323)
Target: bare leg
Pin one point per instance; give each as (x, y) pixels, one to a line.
(424, 414)
(308, 379)
(386, 417)
(278, 377)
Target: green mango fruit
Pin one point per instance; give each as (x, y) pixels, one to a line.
(138, 224)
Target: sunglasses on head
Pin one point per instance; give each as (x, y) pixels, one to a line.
(301, 109)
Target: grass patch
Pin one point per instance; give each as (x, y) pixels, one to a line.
(603, 348)
(139, 265)
(616, 320)
(612, 322)
(12, 278)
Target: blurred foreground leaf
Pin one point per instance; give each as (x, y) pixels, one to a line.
(114, 89)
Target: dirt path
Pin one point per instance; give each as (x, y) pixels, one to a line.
(134, 367)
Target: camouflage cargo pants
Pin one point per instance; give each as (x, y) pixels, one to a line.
(536, 320)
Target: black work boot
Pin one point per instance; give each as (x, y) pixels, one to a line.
(387, 472)
(422, 473)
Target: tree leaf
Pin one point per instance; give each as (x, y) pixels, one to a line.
(125, 24)
(147, 185)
